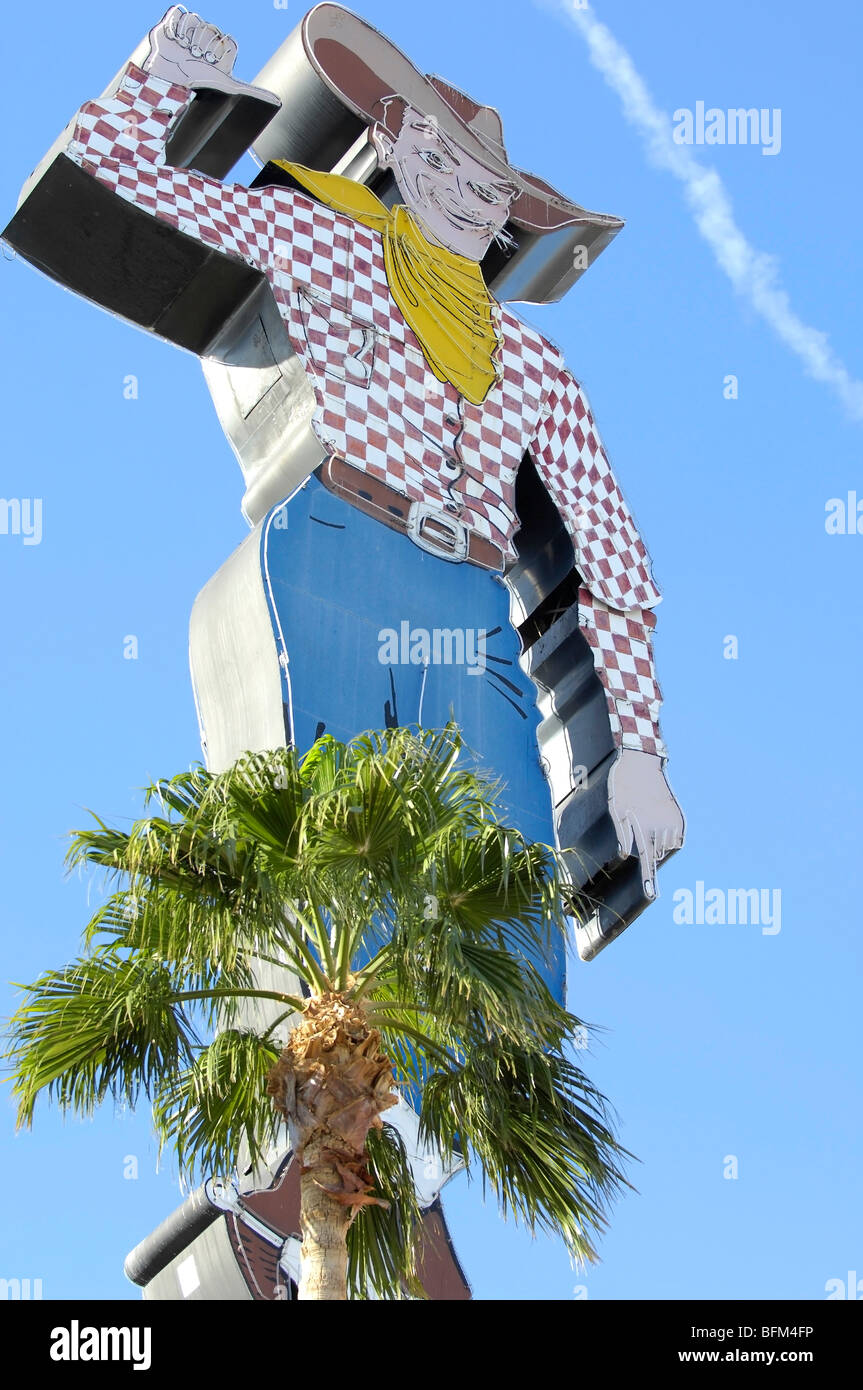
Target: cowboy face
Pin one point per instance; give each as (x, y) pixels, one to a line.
(461, 204)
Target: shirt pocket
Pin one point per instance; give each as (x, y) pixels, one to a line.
(338, 345)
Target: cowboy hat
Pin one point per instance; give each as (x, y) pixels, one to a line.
(363, 68)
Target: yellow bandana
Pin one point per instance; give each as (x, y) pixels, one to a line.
(442, 295)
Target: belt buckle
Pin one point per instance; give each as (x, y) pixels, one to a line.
(424, 519)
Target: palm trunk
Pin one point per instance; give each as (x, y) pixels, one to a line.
(332, 1083)
(324, 1222)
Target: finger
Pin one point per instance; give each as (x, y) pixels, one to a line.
(220, 54)
(201, 37)
(225, 50)
(672, 838)
(172, 19)
(207, 38)
(623, 831)
(185, 24)
(193, 37)
(644, 846)
(619, 821)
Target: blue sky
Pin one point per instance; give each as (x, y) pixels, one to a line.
(719, 1040)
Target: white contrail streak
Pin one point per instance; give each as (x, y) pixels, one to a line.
(754, 274)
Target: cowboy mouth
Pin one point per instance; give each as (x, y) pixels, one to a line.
(457, 216)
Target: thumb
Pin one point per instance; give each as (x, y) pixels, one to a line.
(623, 829)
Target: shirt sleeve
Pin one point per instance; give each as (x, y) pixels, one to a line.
(572, 463)
(120, 140)
(622, 648)
(617, 587)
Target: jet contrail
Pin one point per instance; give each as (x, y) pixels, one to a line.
(754, 274)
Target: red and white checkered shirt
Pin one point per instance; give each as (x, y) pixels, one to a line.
(380, 406)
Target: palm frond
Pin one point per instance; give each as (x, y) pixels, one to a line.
(383, 1242)
(103, 1026)
(217, 1107)
(539, 1132)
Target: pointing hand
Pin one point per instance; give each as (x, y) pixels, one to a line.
(646, 816)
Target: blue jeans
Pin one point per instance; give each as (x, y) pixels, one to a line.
(372, 632)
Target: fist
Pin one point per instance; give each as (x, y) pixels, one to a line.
(646, 816)
(187, 50)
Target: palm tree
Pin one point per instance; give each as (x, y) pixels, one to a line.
(406, 926)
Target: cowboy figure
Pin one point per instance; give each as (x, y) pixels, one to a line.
(429, 394)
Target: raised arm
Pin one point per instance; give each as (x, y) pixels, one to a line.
(121, 141)
(618, 591)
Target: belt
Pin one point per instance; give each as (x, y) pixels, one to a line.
(428, 526)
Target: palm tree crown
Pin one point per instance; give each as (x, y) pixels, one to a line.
(401, 929)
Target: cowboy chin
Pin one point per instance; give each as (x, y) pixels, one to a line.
(429, 393)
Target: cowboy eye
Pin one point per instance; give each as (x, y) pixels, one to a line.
(485, 192)
(434, 160)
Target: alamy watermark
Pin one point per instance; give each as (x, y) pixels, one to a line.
(437, 646)
(21, 516)
(737, 126)
(851, 1289)
(77, 1343)
(844, 516)
(20, 1289)
(729, 907)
